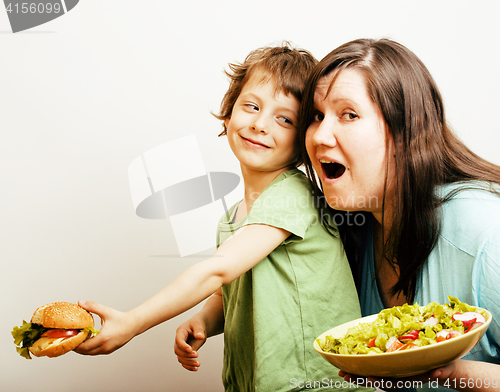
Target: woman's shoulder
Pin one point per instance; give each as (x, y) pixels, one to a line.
(472, 199)
(470, 214)
(470, 190)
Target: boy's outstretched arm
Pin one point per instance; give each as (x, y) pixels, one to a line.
(193, 333)
(238, 254)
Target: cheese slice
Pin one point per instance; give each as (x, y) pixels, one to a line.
(43, 343)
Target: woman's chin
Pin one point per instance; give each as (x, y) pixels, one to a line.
(333, 202)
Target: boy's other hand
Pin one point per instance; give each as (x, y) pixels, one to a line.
(189, 337)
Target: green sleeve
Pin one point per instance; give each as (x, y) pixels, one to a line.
(286, 204)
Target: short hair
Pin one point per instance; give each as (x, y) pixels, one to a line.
(287, 66)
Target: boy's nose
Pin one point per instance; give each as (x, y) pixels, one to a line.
(259, 125)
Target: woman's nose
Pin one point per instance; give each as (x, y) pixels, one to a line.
(323, 135)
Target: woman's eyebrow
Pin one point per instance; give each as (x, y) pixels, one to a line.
(336, 100)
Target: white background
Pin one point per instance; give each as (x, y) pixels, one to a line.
(85, 94)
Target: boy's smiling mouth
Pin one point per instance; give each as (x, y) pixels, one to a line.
(332, 170)
(254, 143)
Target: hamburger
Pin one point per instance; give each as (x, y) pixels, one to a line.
(54, 330)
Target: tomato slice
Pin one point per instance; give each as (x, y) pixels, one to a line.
(412, 335)
(60, 333)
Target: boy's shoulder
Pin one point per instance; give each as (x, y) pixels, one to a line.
(296, 174)
(290, 193)
(291, 180)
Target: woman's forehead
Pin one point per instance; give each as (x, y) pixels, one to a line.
(341, 84)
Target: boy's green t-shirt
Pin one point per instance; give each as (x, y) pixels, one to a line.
(274, 312)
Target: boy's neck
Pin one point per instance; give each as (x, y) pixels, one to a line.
(255, 183)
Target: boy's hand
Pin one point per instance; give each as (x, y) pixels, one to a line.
(117, 329)
(189, 337)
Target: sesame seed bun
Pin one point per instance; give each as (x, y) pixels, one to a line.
(63, 315)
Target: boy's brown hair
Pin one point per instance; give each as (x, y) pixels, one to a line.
(287, 66)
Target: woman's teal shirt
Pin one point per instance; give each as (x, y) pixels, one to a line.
(465, 263)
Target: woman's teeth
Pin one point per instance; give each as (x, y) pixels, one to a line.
(332, 169)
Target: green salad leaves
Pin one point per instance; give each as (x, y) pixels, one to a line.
(25, 335)
(403, 327)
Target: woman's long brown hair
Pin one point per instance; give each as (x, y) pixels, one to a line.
(428, 154)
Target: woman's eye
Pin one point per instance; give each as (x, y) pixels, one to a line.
(349, 116)
(318, 117)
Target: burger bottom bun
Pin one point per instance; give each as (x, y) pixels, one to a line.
(54, 347)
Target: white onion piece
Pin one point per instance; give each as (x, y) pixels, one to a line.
(390, 342)
(431, 321)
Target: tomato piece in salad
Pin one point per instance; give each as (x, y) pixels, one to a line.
(412, 335)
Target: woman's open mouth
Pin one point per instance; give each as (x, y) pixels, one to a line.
(332, 170)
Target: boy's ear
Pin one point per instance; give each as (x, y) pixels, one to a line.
(226, 123)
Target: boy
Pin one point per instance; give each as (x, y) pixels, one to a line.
(279, 275)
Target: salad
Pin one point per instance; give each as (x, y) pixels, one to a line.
(407, 327)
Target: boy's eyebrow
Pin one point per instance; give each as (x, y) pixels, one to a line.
(284, 108)
(250, 95)
(280, 107)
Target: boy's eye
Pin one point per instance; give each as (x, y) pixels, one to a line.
(252, 106)
(285, 120)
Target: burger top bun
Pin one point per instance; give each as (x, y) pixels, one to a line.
(62, 315)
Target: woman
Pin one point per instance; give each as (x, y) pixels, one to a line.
(376, 136)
